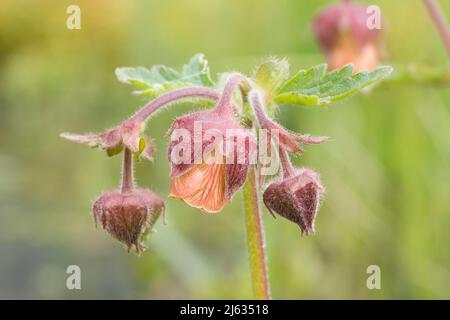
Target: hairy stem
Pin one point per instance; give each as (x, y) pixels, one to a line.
(224, 105)
(288, 169)
(255, 238)
(439, 19)
(257, 105)
(172, 96)
(127, 171)
(265, 122)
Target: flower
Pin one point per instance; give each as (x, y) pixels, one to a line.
(209, 154)
(296, 198)
(128, 216)
(128, 134)
(344, 37)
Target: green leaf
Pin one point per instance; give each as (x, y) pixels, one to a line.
(196, 71)
(270, 75)
(316, 87)
(159, 79)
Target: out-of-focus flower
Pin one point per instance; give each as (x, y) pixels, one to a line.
(127, 216)
(215, 167)
(296, 198)
(344, 37)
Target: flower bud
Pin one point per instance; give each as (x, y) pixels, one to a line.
(128, 216)
(296, 198)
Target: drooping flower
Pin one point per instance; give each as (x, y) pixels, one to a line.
(296, 198)
(128, 216)
(344, 37)
(210, 153)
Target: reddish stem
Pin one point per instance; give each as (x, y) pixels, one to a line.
(265, 122)
(288, 168)
(225, 104)
(257, 104)
(171, 97)
(440, 21)
(127, 171)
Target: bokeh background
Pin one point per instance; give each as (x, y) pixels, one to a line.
(386, 167)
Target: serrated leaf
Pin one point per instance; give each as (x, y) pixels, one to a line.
(316, 87)
(159, 79)
(305, 78)
(196, 71)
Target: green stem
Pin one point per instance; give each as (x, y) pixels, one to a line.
(255, 238)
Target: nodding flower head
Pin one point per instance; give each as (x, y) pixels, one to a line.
(209, 154)
(344, 36)
(296, 198)
(128, 216)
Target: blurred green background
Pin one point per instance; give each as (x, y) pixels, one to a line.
(386, 167)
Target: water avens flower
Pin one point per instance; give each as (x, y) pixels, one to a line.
(344, 36)
(296, 197)
(210, 154)
(213, 153)
(128, 216)
(129, 213)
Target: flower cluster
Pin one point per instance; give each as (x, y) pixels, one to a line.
(210, 171)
